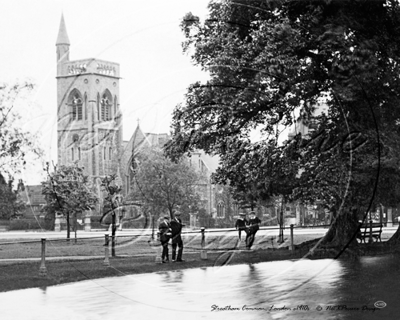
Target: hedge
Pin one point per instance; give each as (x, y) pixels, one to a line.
(31, 224)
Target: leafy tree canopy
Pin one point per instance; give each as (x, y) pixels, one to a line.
(68, 191)
(162, 185)
(10, 202)
(15, 143)
(267, 60)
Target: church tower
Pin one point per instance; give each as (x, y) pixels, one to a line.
(89, 124)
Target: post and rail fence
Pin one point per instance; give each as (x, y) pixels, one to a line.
(371, 235)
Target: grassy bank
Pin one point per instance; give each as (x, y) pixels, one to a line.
(23, 275)
(26, 274)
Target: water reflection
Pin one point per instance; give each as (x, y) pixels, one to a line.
(273, 290)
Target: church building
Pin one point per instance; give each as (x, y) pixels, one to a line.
(89, 127)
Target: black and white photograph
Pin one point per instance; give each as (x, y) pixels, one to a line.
(200, 159)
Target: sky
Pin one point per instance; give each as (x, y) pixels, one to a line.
(142, 36)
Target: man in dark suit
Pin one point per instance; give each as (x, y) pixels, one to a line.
(254, 225)
(176, 227)
(165, 234)
(241, 225)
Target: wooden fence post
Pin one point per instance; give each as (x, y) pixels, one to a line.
(203, 252)
(42, 269)
(291, 237)
(159, 248)
(106, 251)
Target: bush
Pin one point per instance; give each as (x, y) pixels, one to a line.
(4, 224)
(95, 224)
(138, 224)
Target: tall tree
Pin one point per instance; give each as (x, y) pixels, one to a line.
(268, 59)
(10, 203)
(15, 144)
(68, 192)
(163, 185)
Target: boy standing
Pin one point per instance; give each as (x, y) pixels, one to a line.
(165, 234)
(241, 225)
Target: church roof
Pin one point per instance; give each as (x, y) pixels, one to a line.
(138, 138)
(62, 33)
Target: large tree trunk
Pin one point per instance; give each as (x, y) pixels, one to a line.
(281, 222)
(113, 229)
(75, 226)
(395, 238)
(343, 230)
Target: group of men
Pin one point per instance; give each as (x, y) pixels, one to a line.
(250, 227)
(171, 230)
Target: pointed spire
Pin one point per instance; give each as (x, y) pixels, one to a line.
(62, 33)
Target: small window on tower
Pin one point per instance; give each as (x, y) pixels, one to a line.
(73, 112)
(110, 153)
(106, 107)
(75, 103)
(79, 153)
(72, 154)
(104, 153)
(76, 108)
(79, 111)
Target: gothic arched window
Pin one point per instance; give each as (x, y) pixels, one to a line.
(106, 103)
(220, 210)
(75, 103)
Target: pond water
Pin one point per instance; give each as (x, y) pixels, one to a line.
(304, 289)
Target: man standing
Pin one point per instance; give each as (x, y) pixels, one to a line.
(176, 226)
(241, 225)
(253, 224)
(165, 234)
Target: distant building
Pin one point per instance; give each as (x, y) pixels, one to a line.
(299, 213)
(34, 201)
